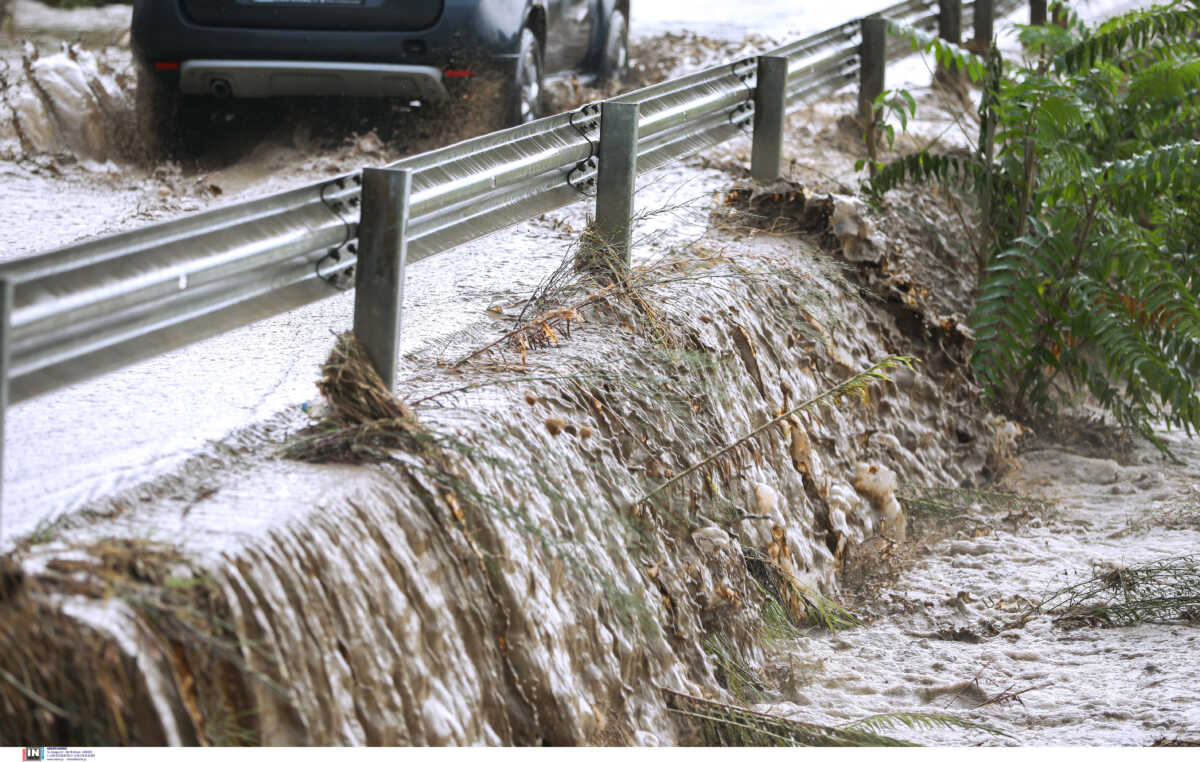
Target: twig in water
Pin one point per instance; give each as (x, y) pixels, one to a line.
(1009, 694)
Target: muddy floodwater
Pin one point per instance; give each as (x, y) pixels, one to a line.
(498, 577)
(943, 636)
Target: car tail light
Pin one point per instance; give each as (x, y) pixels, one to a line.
(463, 73)
(166, 65)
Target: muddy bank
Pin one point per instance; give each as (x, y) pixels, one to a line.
(497, 584)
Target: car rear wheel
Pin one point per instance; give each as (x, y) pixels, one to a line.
(168, 122)
(157, 103)
(524, 97)
(615, 59)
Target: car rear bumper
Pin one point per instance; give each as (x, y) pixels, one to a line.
(265, 79)
(469, 33)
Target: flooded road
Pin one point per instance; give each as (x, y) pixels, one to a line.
(78, 444)
(180, 450)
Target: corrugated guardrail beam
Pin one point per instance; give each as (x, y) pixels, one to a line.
(98, 305)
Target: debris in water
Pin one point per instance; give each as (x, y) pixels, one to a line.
(878, 484)
(1160, 591)
(957, 501)
(366, 420)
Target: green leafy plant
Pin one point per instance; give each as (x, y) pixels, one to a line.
(888, 104)
(1086, 168)
(920, 721)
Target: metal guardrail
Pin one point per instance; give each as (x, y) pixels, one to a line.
(86, 309)
(95, 306)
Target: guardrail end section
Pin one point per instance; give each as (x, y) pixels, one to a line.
(608, 250)
(770, 110)
(6, 300)
(379, 274)
(1037, 12)
(873, 56)
(984, 22)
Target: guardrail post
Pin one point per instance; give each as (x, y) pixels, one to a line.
(379, 274)
(950, 21)
(1037, 12)
(770, 108)
(873, 55)
(6, 300)
(985, 16)
(614, 185)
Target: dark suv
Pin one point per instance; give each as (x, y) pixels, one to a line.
(426, 50)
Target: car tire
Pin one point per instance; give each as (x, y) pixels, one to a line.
(614, 60)
(524, 97)
(157, 105)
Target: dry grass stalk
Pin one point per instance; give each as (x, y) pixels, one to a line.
(545, 329)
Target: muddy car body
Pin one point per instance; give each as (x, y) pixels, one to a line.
(427, 50)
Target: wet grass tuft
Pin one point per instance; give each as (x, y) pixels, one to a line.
(919, 721)
(367, 422)
(799, 605)
(1177, 516)
(63, 675)
(947, 502)
(733, 673)
(1167, 590)
(719, 724)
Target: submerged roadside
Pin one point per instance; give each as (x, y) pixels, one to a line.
(500, 580)
(482, 564)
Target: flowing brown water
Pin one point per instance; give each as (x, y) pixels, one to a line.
(501, 589)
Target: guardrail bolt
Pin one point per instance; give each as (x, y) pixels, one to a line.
(6, 300)
(985, 16)
(950, 21)
(873, 54)
(379, 274)
(609, 249)
(1037, 12)
(770, 108)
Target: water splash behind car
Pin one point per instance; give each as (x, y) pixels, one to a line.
(191, 53)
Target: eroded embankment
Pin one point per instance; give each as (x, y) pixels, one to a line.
(493, 582)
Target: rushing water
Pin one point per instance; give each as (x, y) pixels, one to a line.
(1091, 686)
(502, 591)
